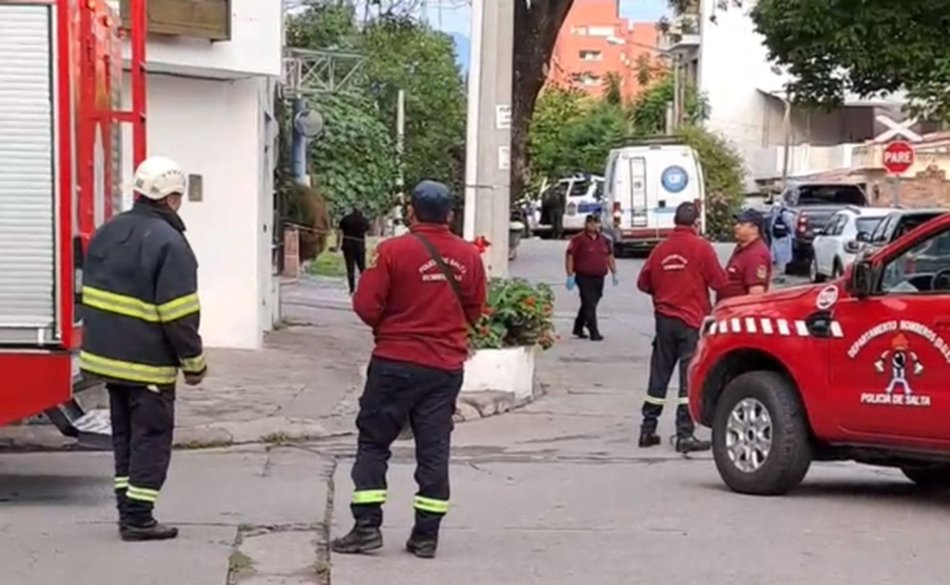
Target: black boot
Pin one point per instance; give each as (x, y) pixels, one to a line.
(579, 333)
(120, 504)
(423, 547)
(152, 530)
(648, 438)
(362, 539)
(690, 444)
(596, 336)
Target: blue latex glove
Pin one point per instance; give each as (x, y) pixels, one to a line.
(571, 282)
(616, 280)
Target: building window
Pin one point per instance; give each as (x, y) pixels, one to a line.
(579, 30)
(600, 31)
(589, 80)
(592, 56)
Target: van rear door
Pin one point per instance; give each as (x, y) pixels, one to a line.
(674, 179)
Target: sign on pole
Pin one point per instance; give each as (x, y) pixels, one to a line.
(898, 157)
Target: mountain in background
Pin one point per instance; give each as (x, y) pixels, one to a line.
(462, 50)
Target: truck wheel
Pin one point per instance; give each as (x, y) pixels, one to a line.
(928, 475)
(761, 442)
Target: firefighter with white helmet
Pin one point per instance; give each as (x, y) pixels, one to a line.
(141, 314)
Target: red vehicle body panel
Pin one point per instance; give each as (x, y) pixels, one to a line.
(845, 377)
(88, 76)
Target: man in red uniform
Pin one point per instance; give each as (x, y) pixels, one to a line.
(678, 275)
(589, 257)
(749, 270)
(419, 294)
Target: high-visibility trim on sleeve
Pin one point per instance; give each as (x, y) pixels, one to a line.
(119, 304)
(130, 371)
(142, 494)
(369, 497)
(684, 400)
(430, 505)
(179, 308)
(194, 365)
(121, 483)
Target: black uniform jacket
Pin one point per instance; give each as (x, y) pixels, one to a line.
(140, 299)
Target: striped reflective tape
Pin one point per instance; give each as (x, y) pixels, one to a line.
(768, 326)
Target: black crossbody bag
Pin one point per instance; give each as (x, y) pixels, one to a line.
(446, 271)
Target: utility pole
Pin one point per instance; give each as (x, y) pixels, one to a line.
(401, 144)
(488, 160)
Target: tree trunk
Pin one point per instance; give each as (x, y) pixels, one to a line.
(536, 29)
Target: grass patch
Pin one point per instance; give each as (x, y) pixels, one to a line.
(331, 264)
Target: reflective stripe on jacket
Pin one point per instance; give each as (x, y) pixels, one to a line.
(140, 303)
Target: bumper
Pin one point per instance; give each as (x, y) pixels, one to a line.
(643, 239)
(33, 382)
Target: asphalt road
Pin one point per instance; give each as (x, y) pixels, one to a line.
(555, 493)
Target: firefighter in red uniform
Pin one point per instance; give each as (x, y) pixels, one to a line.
(589, 257)
(140, 316)
(749, 270)
(678, 275)
(419, 294)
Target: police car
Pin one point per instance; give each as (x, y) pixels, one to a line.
(855, 369)
(583, 195)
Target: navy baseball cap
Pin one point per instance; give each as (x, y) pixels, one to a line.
(750, 216)
(432, 200)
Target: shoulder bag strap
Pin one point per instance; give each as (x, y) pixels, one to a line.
(445, 269)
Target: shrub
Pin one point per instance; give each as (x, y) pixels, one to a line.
(518, 314)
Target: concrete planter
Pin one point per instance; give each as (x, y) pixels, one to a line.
(509, 370)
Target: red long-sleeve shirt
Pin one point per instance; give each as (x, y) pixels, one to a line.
(678, 275)
(412, 309)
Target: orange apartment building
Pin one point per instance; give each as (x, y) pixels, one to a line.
(594, 42)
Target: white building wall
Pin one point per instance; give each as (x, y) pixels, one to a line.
(216, 129)
(733, 66)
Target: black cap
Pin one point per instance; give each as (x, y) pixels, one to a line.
(592, 218)
(432, 201)
(751, 216)
(686, 214)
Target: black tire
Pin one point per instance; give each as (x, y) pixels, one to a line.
(928, 475)
(790, 454)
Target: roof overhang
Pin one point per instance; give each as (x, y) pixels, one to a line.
(851, 100)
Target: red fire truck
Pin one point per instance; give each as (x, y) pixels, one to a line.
(858, 369)
(60, 150)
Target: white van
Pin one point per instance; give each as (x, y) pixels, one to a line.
(643, 186)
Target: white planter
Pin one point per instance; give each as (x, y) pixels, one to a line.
(501, 370)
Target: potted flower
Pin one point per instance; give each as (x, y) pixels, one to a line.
(517, 321)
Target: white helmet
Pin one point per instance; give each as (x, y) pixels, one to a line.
(158, 177)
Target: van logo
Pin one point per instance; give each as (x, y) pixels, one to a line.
(674, 179)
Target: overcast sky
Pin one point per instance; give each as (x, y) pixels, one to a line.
(456, 19)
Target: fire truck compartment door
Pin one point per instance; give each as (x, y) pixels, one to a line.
(27, 177)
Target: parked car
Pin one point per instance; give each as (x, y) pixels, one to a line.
(897, 223)
(582, 194)
(835, 246)
(807, 207)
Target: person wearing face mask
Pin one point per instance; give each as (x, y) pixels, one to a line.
(141, 314)
(749, 270)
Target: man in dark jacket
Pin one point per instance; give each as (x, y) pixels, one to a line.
(140, 327)
(419, 294)
(352, 238)
(678, 275)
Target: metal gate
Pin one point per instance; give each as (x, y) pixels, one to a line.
(27, 175)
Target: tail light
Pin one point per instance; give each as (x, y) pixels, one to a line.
(802, 224)
(617, 212)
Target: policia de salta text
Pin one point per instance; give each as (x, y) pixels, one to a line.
(419, 294)
(141, 315)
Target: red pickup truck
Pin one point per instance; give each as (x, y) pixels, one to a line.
(857, 369)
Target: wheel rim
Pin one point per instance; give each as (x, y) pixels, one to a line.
(749, 435)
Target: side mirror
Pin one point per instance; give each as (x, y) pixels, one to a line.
(852, 247)
(863, 237)
(862, 279)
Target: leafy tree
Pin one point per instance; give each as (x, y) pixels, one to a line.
(863, 46)
(325, 24)
(650, 107)
(613, 89)
(723, 177)
(537, 24)
(354, 160)
(405, 54)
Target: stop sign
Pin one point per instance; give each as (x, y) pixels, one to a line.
(898, 157)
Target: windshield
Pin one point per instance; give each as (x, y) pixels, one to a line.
(867, 224)
(830, 195)
(912, 222)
